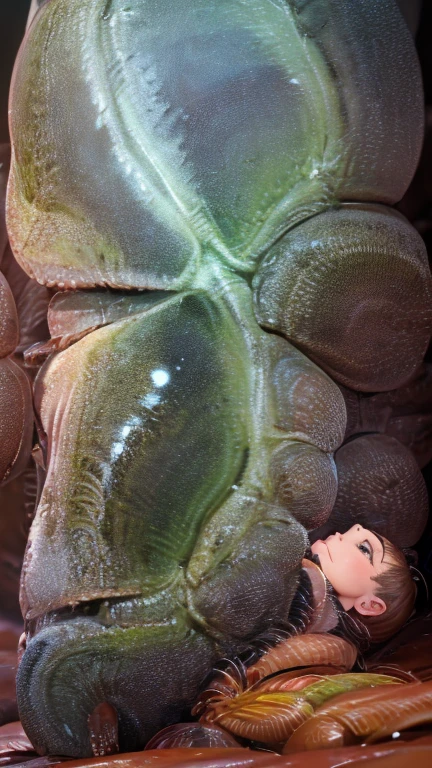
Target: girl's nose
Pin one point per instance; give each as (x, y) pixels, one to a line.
(339, 536)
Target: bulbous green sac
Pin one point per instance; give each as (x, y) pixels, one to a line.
(306, 482)
(163, 503)
(175, 149)
(142, 448)
(158, 443)
(220, 125)
(148, 672)
(352, 288)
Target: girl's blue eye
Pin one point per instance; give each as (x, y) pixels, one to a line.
(366, 548)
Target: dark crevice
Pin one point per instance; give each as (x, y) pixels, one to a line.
(89, 609)
(106, 13)
(242, 468)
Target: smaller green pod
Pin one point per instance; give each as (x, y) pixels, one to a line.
(148, 673)
(244, 569)
(352, 289)
(307, 404)
(146, 433)
(306, 482)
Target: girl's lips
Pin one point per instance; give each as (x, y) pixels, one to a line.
(328, 549)
(320, 541)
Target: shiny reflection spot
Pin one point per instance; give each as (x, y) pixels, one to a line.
(160, 377)
(150, 400)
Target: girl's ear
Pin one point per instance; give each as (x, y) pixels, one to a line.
(370, 605)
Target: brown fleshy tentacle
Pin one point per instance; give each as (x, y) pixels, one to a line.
(304, 650)
(226, 680)
(367, 716)
(273, 716)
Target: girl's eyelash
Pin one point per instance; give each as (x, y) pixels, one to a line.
(367, 550)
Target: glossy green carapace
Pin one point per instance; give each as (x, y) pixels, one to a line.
(215, 171)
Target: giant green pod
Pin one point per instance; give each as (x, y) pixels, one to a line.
(171, 148)
(221, 124)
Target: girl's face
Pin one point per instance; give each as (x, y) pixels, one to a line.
(350, 561)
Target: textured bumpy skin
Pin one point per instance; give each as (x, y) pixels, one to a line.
(16, 416)
(234, 161)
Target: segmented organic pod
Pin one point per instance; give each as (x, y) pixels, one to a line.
(308, 655)
(220, 175)
(272, 716)
(366, 717)
(302, 650)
